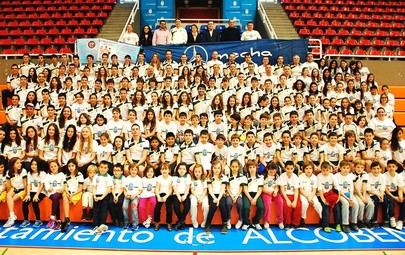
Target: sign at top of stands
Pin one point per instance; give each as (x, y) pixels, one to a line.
(97, 47)
(258, 49)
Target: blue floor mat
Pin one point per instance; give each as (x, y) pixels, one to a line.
(301, 239)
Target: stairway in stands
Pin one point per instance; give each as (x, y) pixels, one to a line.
(115, 23)
(280, 21)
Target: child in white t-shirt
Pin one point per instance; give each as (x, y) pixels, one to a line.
(87, 197)
(132, 185)
(272, 195)
(54, 185)
(73, 191)
(290, 185)
(308, 190)
(376, 190)
(147, 199)
(349, 205)
(394, 193)
(164, 190)
(181, 190)
(234, 190)
(198, 195)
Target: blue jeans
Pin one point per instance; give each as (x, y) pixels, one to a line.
(134, 210)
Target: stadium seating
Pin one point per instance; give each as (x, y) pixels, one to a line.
(33, 26)
(379, 24)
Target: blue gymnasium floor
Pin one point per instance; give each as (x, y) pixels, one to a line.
(302, 239)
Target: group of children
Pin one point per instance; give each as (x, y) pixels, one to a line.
(353, 195)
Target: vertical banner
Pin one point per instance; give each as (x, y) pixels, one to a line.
(97, 47)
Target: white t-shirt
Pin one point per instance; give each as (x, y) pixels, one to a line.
(205, 151)
(181, 183)
(270, 183)
(291, 183)
(17, 181)
(130, 38)
(103, 150)
(393, 182)
(376, 183)
(133, 184)
(250, 35)
(118, 184)
(85, 155)
(254, 183)
(54, 182)
(50, 149)
(165, 184)
(333, 152)
(149, 187)
(101, 183)
(199, 186)
(325, 183)
(73, 182)
(235, 182)
(217, 184)
(308, 184)
(344, 184)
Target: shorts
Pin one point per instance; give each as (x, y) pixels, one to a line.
(76, 198)
(20, 192)
(3, 197)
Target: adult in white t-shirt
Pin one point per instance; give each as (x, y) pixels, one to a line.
(250, 34)
(130, 36)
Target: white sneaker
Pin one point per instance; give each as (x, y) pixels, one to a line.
(195, 225)
(258, 227)
(393, 223)
(245, 227)
(399, 225)
(238, 224)
(266, 225)
(281, 225)
(228, 224)
(203, 225)
(10, 222)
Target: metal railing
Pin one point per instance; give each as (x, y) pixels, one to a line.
(130, 19)
(266, 21)
(315, 47)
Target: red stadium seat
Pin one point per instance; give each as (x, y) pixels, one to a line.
(46, 41)
(379, 42)
(346, 51)
(23, 51)
(32, 41)
(351, 42)
(59, 40)
(79, 31)
(304, 31)
(374, 52)
(337, 41)
(331, 51)
(51, 51)
(19, 41)
(65, 50)
(71, 40)
(359, 52)
(37, 51)
(8, 51)
(365, 42)
(388, 53)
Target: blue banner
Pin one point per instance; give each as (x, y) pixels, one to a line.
(258, 49)
(189, 239)
(97, 47)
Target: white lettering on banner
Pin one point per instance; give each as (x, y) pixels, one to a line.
(318, 234)
(378, 236)
(149, 237)
(252, 235)
(5, 232)
(83, 235)
(122, 235)
(70, 233)
(49, 232)
(111, 234)
(396, 233)
(187, 237)
(357, 237)
(22, 234)
(274, 238)
(295, 239)
(252, 52)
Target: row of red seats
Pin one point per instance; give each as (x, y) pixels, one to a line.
(349, 16)
(348, 24)
(344, 2)
(53, 2)
(396, 34)
(52, 31)
(34, 41)
(55, 15)
(354, 9)
(56, 8)
(363, 42)
(53, 23)
(361, 51)
(38, 50)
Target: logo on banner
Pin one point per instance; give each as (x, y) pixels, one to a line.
(194, 49)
